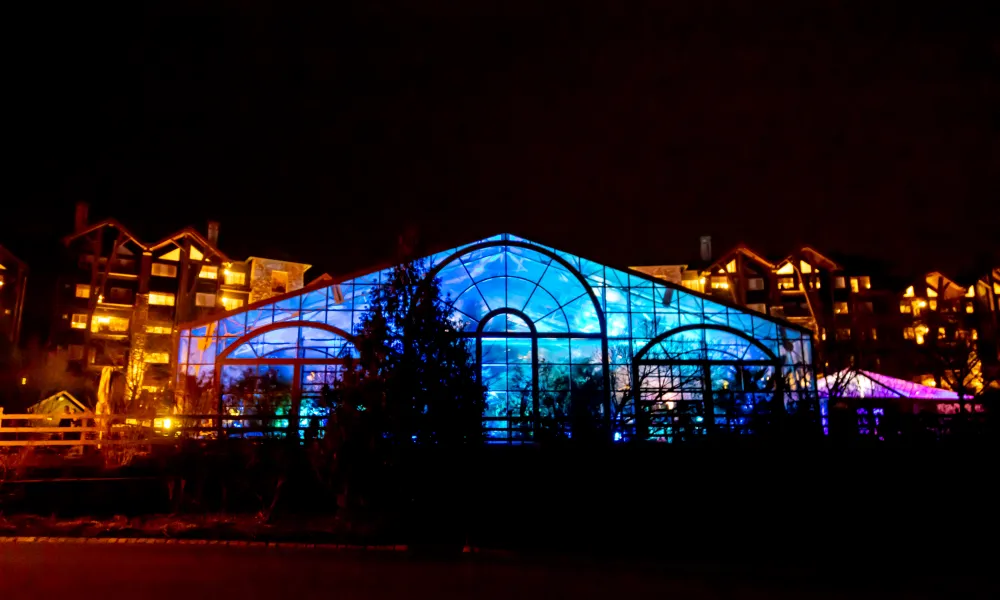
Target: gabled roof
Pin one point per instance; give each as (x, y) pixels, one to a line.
(818, 259)
(210, 248)
(865, 384)
(326, 280)
(105, 223)
(745, 251)
(53, 402)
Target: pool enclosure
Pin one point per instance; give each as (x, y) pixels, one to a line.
(562, 342)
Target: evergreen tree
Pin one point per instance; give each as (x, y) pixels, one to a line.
(414, 380)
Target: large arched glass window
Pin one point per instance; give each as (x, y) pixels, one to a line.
(693, 380)
(282, 366)
(538, 334)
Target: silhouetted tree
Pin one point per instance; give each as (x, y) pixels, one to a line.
(414, 380)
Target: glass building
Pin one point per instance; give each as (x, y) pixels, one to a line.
(562, 342)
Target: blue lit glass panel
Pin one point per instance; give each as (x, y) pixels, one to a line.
(494, 291)
(233, 325)
(518, 350)
(518, 292)
(471, 304)
(586, 351)
(541, 304)
(315, 300)
(482, 264)
(563, 286)
(616, 300)
(497, 324)
(582, 315)
(555, 351)
(454, 279)
(339, 319)
(293, 303)
(516, 324)
(617, 325)
(554, 323)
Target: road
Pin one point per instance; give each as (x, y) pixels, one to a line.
(187, 572)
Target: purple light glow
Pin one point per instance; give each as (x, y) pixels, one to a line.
(865, 384)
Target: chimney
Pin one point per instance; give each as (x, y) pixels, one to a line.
(706, 248)
(213, 232)
(80, 216)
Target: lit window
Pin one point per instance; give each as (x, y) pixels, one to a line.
(839, 283)
(975, 334)
(164, 270)
(932, 304)
(805, 267)
(865, 282)
(158, 358)
(931, 293)
(82, 290)
(204, 299)
(905, 308)
(75, 352)
(822, 335)
(159, 329)
(970, 309)
(234, 277)
(759, 307)
(854, 285)
(971, 292)
(843, 334)
(109, 324)
(174, 254)
(231, 303)
(196, 254)
(786, 283)
(786, 269)
(942, 334)
(209, 272)
(996, 289)
(720, 283)
(161, 299)
(731, 266)
(755, 283)
(693, 284)
(909, 333)
(909, 292)
(874, 334)
(279, 282)
(921, 331)
(79, 321)
(840, 308)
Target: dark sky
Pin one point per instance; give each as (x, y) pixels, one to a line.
(621, 134)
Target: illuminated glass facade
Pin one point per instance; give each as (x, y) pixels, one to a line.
(560, 340)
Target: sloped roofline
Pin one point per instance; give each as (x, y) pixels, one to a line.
(186, 231)
(5, 252)
(326, 280)
(306, 265)
(744, 250)
(110, 222)
(194, 233)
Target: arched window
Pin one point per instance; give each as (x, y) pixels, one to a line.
(538, 333)
(695, 379)
(288, 365)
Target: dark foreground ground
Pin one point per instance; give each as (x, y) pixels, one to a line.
(77, 570)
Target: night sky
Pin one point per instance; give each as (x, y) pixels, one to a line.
(619, 134)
